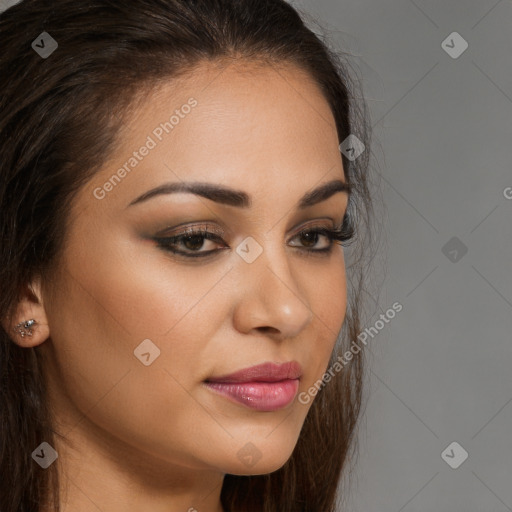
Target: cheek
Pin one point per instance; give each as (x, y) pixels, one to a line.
(328, 301)
(107, 308)
(141, 291)
(102, 313)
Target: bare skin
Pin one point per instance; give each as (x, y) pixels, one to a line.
(155, 437)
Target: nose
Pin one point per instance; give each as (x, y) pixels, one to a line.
(270, 300)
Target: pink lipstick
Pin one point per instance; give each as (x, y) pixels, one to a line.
(265, 387)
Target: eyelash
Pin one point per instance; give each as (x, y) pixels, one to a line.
(344, 234)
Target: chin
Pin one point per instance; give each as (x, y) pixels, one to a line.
(261, 460)
(260, 468)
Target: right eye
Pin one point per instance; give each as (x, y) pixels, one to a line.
(192, 240)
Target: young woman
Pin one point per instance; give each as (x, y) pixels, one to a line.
(185, 219)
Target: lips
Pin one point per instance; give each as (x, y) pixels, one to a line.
(266, 372)
(265, 387)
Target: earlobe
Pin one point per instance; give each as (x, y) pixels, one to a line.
(28, 325)
(25, 328)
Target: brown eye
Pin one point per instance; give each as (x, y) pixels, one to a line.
(193, 242)
(190, 242)
(309, 238)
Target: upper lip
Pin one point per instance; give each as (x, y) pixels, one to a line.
(266, 372)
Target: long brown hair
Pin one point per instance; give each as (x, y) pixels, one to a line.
(59, 120)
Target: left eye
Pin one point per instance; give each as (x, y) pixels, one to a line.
(309, 238)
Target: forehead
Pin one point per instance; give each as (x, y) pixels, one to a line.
(241, 124)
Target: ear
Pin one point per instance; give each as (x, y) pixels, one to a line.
(29, 307)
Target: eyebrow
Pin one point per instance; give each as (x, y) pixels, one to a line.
(238, 198)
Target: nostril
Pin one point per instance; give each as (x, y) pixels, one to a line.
(267, 329)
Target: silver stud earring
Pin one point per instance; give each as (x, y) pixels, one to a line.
(25, 328)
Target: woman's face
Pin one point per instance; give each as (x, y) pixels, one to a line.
(136, 329)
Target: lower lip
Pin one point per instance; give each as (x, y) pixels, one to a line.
(262, 396)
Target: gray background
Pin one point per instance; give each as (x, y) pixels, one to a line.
(440, 370)
(442, 150)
